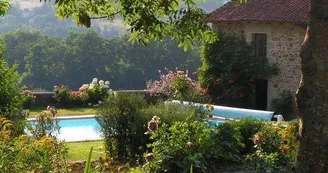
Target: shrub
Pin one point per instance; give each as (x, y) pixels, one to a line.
(45, 125)
(177, 85)
(123, 125)
(170, 113)
(28, 99)
(248, 127)
(275, 149)
(285, 105)
(228, 142)
(10, 99)
(62, 95)
(28, 154)
(179, 147)
(229, 71)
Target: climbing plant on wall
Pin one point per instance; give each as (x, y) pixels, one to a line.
(229, 70)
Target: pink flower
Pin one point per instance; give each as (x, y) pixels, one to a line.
(152, 125)
(34, 97)
(149, 157)
(189, 144)
(231, 81)
(26, 92)
(241, 94)
(49, 107)
(203, 90)
(55, 87)
(204, 73)
(218, 80)
(194, 72)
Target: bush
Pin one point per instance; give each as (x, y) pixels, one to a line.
(10, 99)
(178, 85)
(275, 149)
(170, 113)
(285, 105)
(229, 71)
(179, 147)
(123, 125)
(248, 127)
(27, 154)
(228, 141)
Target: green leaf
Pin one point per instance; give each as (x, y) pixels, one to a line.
(88, 163)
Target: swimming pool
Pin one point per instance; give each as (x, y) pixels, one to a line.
(79, 129)
(82, 128)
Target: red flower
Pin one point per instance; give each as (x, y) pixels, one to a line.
(27, 92)
(203, 90)
(194, 72)
(82, 89)
(189, 144)
(203, 72)
(149, 157)
(285, 149)
(218, 80)
(152, 125)
(231, 81)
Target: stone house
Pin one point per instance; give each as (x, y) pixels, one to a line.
(277, 30)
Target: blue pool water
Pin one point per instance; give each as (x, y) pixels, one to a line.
(81, 129)
(78, 122)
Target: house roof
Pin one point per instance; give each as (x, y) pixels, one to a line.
(291, 11)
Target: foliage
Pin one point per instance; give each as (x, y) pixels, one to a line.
(91, 94)
(25, 154)
(45, 125)
(285, 105)
(123, 125)
(181, 20)
(46, 61)
(10, 100)
(228, 142)
(229, 71)
(28, 98)
(4, 7)
(170, 113)
(248, 127)
(179, 146)
(177, 85)
(275, 149)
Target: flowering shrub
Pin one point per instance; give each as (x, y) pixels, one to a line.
(177, 85)
(28, 154)
(45, 125)
(28, 98)
(179, 147)
(275, 149)
(88, 94)
(229, 71)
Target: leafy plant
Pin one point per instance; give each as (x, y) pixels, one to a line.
(229, 71)
(177, 147)
(123, 125)
(88, 163)
(45, 125)
(10, 100)
(285, 105)
(177, 85)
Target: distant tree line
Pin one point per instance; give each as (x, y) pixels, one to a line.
(44, 61)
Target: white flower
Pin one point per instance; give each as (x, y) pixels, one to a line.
(106, 86)
(114, 93)
(100, 102)
(110, 91)
(95, 79)
(91, 86)
(85, 86)
(101, 82)
(107, 83)
(89, 104)
(94, 82)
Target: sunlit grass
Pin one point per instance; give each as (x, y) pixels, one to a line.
(66, 111)
(80, 150)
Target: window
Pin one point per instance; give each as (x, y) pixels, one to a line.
(260, 45)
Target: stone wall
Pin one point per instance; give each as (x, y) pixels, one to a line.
(284, 42)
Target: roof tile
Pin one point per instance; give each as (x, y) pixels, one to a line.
(293, 11)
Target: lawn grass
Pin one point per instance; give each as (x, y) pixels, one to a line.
(66, 111)
(80, 150)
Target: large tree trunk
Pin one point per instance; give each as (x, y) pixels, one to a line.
(312, 96)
